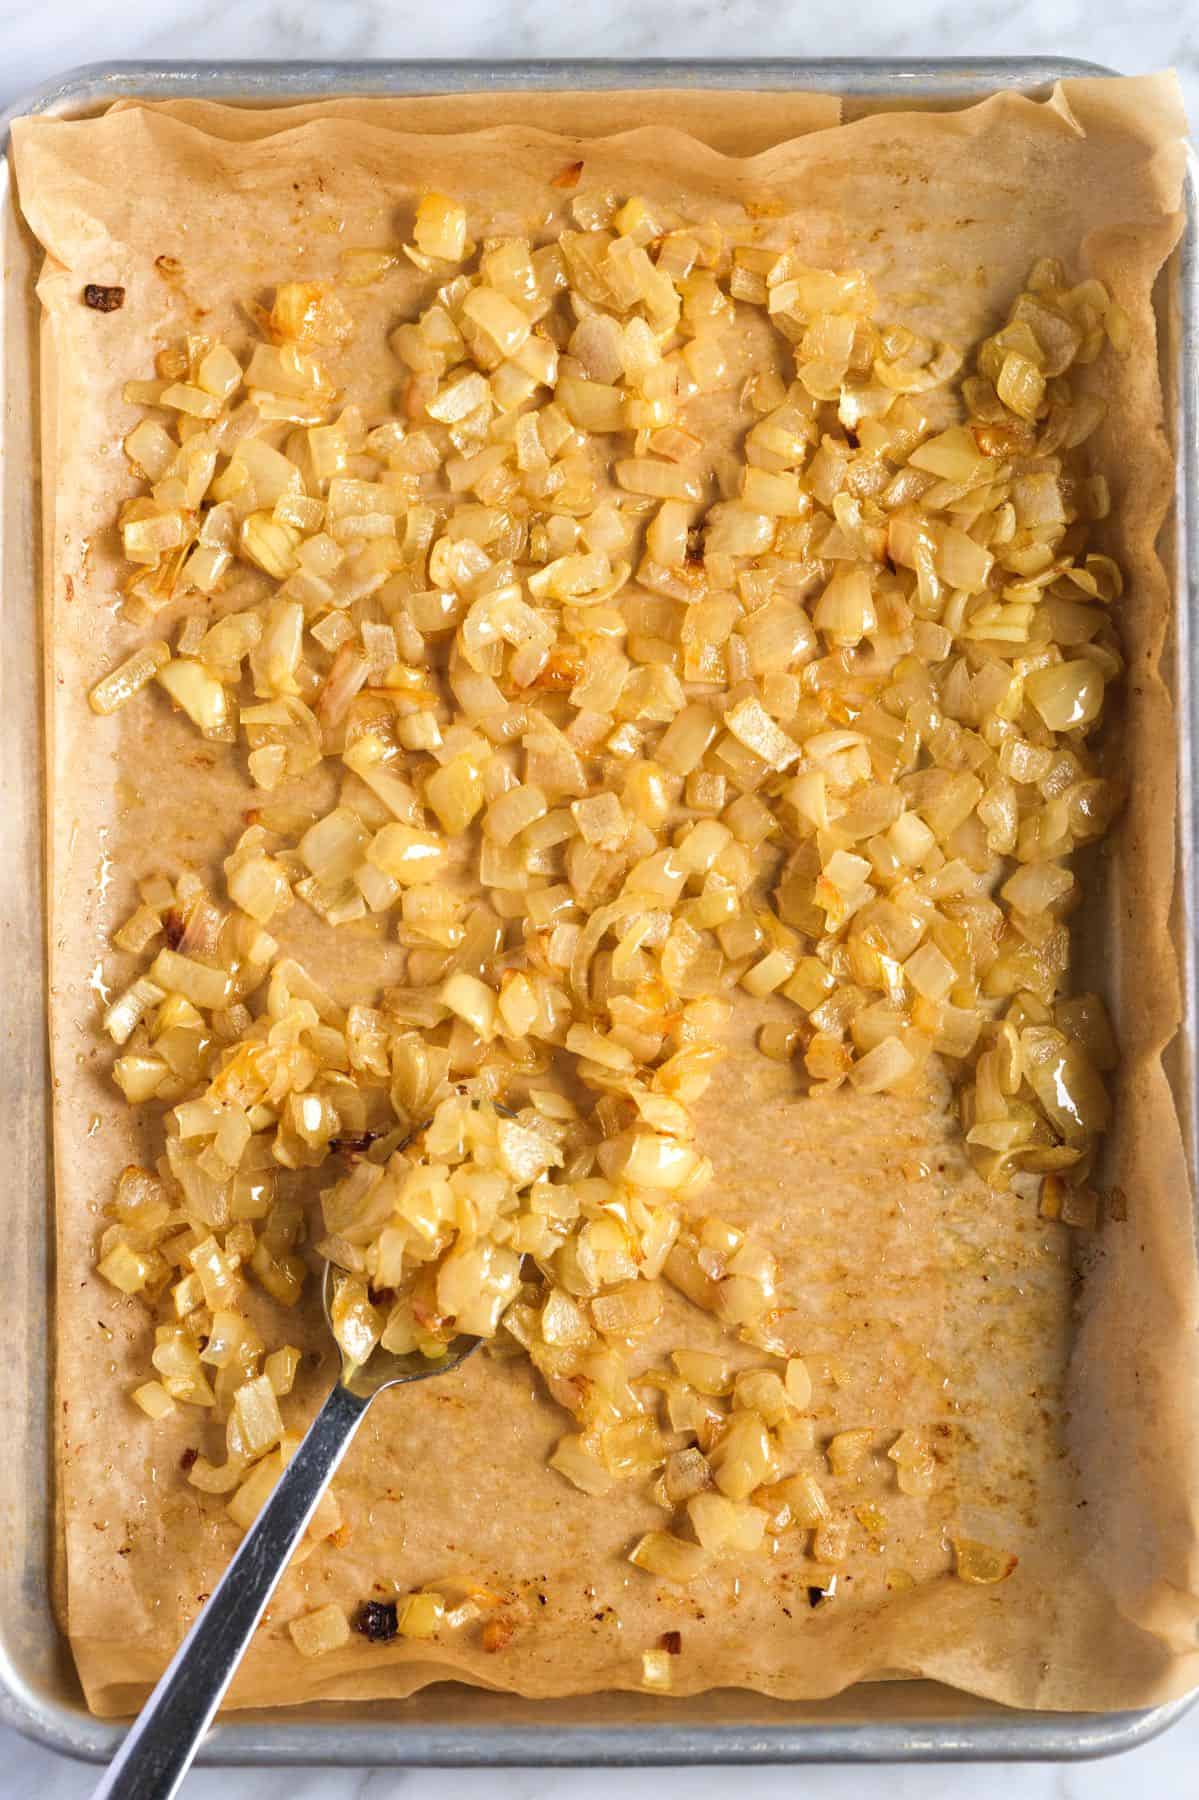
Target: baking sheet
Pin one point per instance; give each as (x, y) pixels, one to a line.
(1095, 179)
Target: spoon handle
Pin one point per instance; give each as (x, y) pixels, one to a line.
(158, 1751)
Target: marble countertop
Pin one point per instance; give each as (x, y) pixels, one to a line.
(1130, 35)
(41, 41)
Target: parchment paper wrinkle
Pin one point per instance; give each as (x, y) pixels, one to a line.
(1063, 1388)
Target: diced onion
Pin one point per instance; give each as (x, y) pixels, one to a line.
(660, 1553)
(600, 717)
(316, 1633)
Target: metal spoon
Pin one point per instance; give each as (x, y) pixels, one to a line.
(164, 1738)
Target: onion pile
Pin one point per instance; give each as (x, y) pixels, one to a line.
(689, 631)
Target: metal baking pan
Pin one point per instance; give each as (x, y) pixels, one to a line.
(447, 1725)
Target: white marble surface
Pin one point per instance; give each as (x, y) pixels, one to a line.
(44, 39)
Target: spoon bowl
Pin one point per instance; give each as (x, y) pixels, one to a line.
(385, 1368)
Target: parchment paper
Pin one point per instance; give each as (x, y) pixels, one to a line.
(1063, 1397)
